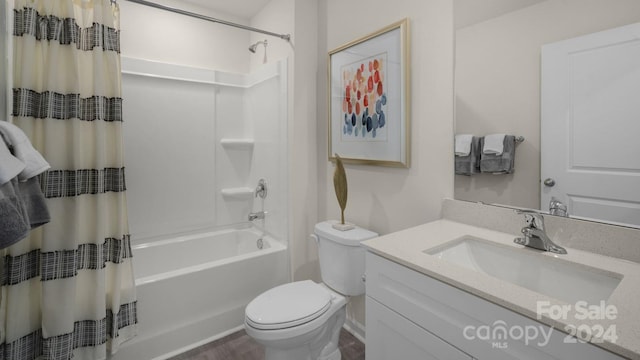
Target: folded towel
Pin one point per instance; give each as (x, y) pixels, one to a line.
(503, 163)
(463, 144)
(24, 151)
(10, 167)
(469, 165)
(34, 202)
(14, 225)
(493, 144)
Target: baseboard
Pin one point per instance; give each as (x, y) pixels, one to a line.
(356, 329)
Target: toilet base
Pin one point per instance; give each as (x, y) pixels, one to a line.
(336, 355)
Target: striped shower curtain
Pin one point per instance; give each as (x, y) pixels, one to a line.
(68, 289)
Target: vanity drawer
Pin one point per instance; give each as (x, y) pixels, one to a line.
(391, 336)
(455, 315)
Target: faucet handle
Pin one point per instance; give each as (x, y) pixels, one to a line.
(533, 218)
(557, 207)
(261, 189)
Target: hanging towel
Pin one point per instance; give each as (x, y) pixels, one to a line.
(10, 167)
(500, 164)
(463, 144)
(22, 204)
(23, 151)
(493, 144)
(14, 225)
(34, 203)
(469, 164)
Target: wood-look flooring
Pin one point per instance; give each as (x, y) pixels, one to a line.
(239, 346)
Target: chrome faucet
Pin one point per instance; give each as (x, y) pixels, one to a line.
(557, 207)
(261, 189)
(256, 215)
(534, 234)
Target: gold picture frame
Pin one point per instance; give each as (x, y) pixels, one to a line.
(369, 99)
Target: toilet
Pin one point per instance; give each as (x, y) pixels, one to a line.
(302, 320)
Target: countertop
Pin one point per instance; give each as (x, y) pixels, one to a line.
(407, 248)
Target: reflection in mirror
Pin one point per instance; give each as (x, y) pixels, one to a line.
(498, 90)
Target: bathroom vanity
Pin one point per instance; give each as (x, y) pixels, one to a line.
(450, 290)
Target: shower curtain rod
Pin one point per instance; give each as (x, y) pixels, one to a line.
(285, 37)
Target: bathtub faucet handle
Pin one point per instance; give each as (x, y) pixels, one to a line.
(261, 189)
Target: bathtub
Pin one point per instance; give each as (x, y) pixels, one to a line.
(192, 289)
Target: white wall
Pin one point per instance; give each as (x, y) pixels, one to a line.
(298, 18)
(304, 141)
(277, 16)
(498, 84)
(159, 35)
(389, 199)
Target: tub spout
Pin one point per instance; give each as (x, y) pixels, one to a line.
(256, 215)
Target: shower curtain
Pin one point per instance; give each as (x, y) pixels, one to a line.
(68, 289)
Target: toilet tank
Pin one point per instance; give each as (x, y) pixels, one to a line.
(341, 257)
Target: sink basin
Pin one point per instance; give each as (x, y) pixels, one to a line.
(551, 276)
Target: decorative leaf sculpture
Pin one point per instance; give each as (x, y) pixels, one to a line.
(340, 186)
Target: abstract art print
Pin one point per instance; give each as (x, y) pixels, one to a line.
(364, 101)
(368, 99)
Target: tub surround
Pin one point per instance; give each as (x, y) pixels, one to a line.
(227, 149)
(501, 225)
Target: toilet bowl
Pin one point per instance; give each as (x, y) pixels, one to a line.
(302, 320)
(297, 321)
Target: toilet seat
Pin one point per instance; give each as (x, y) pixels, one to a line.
(288, 305)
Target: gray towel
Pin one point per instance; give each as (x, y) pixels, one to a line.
(500, 164)
(34, 203)
(14, 223)
(469, 165)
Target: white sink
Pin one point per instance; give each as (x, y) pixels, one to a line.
(551, 276)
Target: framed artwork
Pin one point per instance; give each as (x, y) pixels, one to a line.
(369, 99)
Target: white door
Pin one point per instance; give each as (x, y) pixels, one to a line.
(590, 125)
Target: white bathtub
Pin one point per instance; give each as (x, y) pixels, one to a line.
(193, 289)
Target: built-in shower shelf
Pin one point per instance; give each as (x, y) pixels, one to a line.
(238, 193)
(237, 144)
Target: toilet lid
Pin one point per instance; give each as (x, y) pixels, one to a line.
(288, 305)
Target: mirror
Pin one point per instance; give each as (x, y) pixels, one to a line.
(498, 80)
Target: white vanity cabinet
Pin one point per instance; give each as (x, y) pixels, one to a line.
(392, 336)
(413, 316)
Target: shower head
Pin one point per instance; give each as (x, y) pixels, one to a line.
(253, 48)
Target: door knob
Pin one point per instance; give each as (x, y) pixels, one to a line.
(549, 182)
